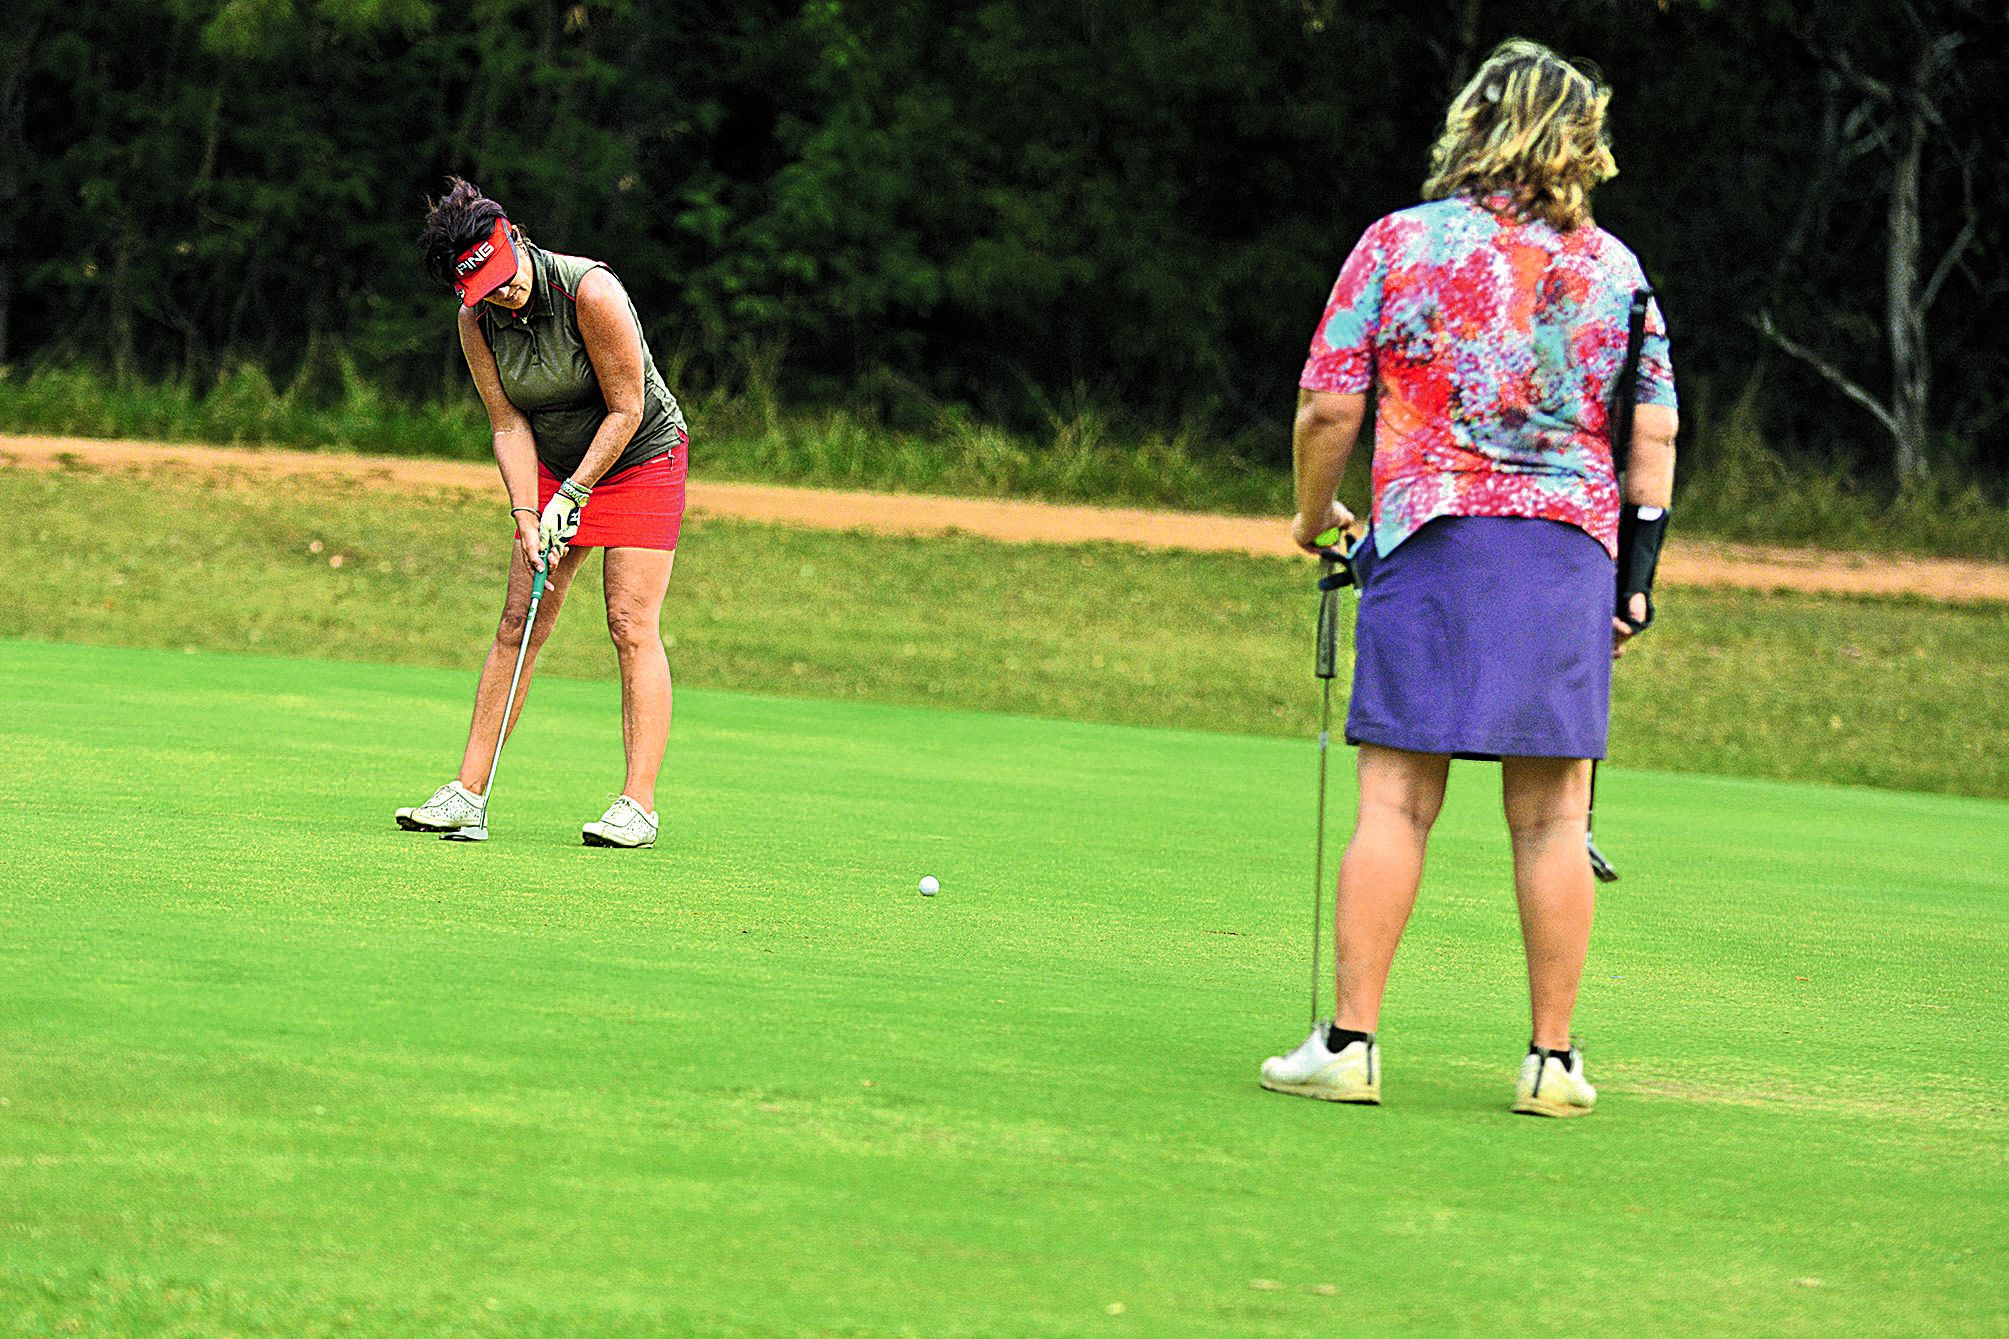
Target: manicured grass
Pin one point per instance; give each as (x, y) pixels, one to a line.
(274, 1069)
(1894, 693)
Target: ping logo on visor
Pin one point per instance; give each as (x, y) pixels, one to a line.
(485, 266)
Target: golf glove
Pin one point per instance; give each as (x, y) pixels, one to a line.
(560, 520)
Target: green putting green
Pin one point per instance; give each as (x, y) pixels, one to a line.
(270, 1067)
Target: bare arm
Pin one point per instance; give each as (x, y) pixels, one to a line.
(1649, 471)
(515, 446)
(615, 347)
(1649, 482)
(1328, 425)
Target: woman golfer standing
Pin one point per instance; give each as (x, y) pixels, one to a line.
(1492, 323)
(592, 449)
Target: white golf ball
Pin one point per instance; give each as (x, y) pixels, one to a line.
(929, 887)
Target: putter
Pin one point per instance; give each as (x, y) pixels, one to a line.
(1336, 571)
(1598, 864)
(1623, 393)
(479, 833)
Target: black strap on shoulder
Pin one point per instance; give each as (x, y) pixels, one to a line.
(1625, 395)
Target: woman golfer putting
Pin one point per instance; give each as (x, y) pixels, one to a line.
(1492, 322)
(593, 452)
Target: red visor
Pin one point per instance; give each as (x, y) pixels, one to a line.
(485, 266)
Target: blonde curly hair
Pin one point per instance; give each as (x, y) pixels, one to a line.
(1529, 125)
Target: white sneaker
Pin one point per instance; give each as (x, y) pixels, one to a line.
(451, 808)
(1552, 1083)
(1350, 1074)
(624, 824)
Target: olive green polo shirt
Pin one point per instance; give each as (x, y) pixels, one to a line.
(541, 358)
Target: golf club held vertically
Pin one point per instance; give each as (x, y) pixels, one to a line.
(479, 833)
(1335, 572)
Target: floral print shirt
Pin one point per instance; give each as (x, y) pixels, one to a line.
(1495, 344)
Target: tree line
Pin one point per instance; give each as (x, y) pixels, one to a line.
(1008, 204)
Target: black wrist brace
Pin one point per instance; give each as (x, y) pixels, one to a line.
(1641, 532)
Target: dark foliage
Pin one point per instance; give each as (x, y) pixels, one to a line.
(1018, 205)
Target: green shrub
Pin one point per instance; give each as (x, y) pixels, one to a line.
(1734, 485)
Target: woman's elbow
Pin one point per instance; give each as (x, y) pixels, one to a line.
(1326, 411)
(1656, 425)
(625, 420)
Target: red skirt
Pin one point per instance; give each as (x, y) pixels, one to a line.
(642, 507)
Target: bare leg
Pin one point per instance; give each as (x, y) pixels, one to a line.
(637, 580)
(494, 685)
(1400, 796)
(1548, 806)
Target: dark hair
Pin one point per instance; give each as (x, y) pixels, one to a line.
(454, 222)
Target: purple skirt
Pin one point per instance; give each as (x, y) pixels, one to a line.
(1485, 637)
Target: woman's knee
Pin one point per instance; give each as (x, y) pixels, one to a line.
(1408, 808)
(509, 631)
(1541, 795)
(634, 628)
(1402, 787)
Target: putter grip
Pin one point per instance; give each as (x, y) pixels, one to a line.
(1328, 628)
(537, 580)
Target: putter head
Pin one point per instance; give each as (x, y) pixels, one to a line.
(1598, 864)
(468, 834)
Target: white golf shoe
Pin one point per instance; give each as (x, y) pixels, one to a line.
(451, 808)
(1350, 1074)
(1552, 1083)
(625, 824)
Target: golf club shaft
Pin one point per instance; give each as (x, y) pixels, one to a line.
(1318, 859)
(1326, 666)
(1601, 869)
(516, 675)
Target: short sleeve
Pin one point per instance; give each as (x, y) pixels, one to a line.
(1656, 362)
(1342, 348)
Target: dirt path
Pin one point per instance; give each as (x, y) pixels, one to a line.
(1750, 567)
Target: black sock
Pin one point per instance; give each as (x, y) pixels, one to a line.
(1338, 1038)
(1562, 1055)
